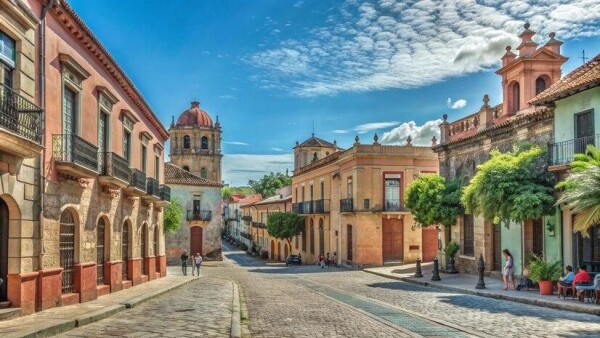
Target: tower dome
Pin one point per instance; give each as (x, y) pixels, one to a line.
(194, 116)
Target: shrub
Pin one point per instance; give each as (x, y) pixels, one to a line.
(451, 249)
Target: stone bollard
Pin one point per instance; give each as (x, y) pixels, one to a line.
(436, 270)
(480, 269)
(418, 272)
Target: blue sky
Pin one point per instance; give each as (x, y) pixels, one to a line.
(271, 68)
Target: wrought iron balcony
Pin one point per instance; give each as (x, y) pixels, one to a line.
(165, 193)
(346, 205)
(260, 225)
(74, 156)
(298, 208)
(393, 205)
(137, 184)
(23, 121)
(114, 170)
(247, 218)
(321, 206)
(564, 152)
(199, 215)
(152, 187)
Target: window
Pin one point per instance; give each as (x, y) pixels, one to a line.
(516, 98)
(203, 173)
(186, 168)
(468, 236)
(349, 187)
(70, 100)
(392, 192)
(304, 238)
(204, 142)
(7, 58)
(302, 193)
(127, 145)
(322, 190)
(186, 142)
(144, 158)
(312, 237)
(540, 85)
(156, 167)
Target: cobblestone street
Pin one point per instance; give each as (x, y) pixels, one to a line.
(307, 301)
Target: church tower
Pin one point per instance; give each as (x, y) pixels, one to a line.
(196, 143)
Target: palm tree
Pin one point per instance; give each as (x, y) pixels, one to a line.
(582, 190)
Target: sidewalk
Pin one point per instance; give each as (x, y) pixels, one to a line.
(62, 319)
(463, 283)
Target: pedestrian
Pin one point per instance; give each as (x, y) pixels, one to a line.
(322, 261)
(197, 263)
(334, 259)
(184, 259)
(328, 260)
(508, 273)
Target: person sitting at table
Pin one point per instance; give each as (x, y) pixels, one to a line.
(582, 276)
(567, 280)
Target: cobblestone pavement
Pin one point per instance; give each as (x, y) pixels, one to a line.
(199, 309)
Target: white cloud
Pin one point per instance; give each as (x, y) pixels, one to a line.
(236, 143)
(340, 131)
(363, 128)
(420, 135)
(298, 4)
(227, 97)
(239, 168)
(276, 149)
(458, 104)
(373, 45)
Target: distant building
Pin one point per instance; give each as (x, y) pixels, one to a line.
(248, 215)
(200, 229)
(281, 202)
(353, 202)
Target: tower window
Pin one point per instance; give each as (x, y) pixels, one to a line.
(540, 85)
(515, 97)
(186, 168)
(203, 173)
(204, 142)
(186, 142)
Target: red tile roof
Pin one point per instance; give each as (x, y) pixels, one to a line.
(250, 200)
(178, 175)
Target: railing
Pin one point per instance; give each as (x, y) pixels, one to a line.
(73, 149)
(247, 218)
(138, 179)
(308, 207)
(199, 215)
(152, 187)
(393, 205)
(259, 225)
(321, 206)
(298, 208)
(19, 115)
(246, 235)
(115, 166)
(564, 152)
(346, 205)
(165, 193)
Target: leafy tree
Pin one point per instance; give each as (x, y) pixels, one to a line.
(514, 185)
(582, 190)
(172, 216)
(269, 184)
(285, 225)
(227, 192)
(434, 200)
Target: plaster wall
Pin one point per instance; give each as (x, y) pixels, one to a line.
(564, 121)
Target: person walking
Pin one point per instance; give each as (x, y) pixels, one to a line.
(328, 260)
(334, 259)
(197, 263)
(508, 272)
(184, 259)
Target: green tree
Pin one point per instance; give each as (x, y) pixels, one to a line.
(269, 184)
(226, 193)
(172, 216)
(511, 186)
(434, 200)
(285, 225)
(582, 190)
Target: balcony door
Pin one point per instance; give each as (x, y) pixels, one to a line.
(584, 130)
(69, 109)
(3, 249)
(102, 138)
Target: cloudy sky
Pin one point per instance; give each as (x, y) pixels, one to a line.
(273, 69)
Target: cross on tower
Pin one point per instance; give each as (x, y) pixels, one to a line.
(583, 58)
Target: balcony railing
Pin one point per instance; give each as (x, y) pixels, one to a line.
(346, 205)
(393, 205)
(247, 218)
(71, 148)
(199, 215)
(321, 206)
(259, 225)
(165, 193)
(20, 116)
(115, 166)
(246, 235)
(138, 179)
(152, 187)
(564, 152)
(298, 208)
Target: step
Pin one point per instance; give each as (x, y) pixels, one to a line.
(10, 313)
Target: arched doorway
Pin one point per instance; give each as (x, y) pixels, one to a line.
(272, 250)
(100, 247)
(143, 247)
(125, 250)
(278, 251)
(321, 238)
(195, 240)
(285, 252)
(67, 250)
(349, 243)
(3, 249)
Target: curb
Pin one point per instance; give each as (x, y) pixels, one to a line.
(535, 302)
(236, 322)
(105, 312)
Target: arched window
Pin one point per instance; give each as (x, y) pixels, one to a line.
(540, 85)
(67, 250)
(186, 168)
(186, 142)
(515, 97)
(204, 142)
(312, 237)
(203, 173)
(315, 157)
(100, 237)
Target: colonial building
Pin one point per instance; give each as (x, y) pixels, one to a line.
(576, 102)
(249, 214)
(466, 143)
(200, 230)
(196, 143)
(90, 221)
(281, 202)
(232, 214)
(353, 202)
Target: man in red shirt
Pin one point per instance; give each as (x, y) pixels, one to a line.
(582, 276)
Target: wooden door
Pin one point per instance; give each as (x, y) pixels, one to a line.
(272, 250)
(195, 240)
(538, 237)
(3, 250)
(349, 252)
(392, 245)
(497, 247)
(429, 243)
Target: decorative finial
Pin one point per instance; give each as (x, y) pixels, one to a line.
(508, 48)
(486, 100)
(334, 142)
(445, 117)
(297, 143)
(375, 139)
(356, 140)
(526, 25)
(172, 121)
(408, 140)
(433, 140)
(552, 35)
(195, 104)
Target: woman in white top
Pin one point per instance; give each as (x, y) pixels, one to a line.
(508, 272)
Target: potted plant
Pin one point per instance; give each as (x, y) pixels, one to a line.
(544, 272)
(450, 250)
